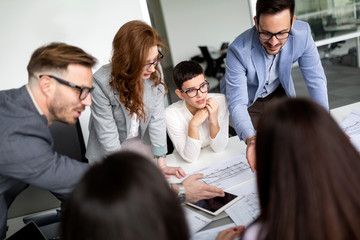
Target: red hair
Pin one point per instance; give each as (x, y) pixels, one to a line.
(131, 46)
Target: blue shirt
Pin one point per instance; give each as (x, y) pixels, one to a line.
(272, 74)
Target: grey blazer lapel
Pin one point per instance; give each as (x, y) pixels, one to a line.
(125, 111)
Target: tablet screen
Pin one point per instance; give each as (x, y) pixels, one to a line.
(215, 205)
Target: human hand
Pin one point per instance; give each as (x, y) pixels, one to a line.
(199, 117)
(196, 190)
(231, 233)
(168, 171)
(212, 106)
(250, 152)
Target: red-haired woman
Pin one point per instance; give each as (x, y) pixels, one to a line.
(127, 112)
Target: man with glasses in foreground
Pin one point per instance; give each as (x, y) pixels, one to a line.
(200, 118)
(58, 89)
(258, 67)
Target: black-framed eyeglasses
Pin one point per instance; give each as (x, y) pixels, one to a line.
(84, 91)
(148, 65)
(279, 35)
(193, 92)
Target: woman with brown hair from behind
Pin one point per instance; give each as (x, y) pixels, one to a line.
(307, 175)
(125, 197)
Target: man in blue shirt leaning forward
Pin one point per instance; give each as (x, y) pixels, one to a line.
(258, 67)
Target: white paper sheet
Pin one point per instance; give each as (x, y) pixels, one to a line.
(195, 220)
(227, 173)
(247, 209)
(235, 176)
(351, 126)
(210, 234)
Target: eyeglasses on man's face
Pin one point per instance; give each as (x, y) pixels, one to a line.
(268, 35)
(279, 35)
(193, 92)
(148, 65)
(84, 91)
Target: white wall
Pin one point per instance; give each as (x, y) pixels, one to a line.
(90, 25)
(203, 22)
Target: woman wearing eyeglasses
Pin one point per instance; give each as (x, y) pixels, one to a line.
(200, 118)
(128, 100)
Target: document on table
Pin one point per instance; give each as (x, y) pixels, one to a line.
(235, 176)
(351, 126)
(247, 209)
(195, 220)
(228, 173)
(210, 234)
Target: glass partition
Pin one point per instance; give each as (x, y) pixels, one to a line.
(329, 18)
(335, 26)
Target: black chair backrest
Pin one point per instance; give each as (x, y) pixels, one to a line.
(210, 68)
(69, 140)
(224, 45)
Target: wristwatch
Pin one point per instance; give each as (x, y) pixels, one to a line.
(162, 156)
(181, 192)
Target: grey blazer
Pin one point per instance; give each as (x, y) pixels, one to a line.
(109, 123)
(27, 154)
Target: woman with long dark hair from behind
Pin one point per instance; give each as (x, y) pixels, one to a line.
(307, 175)
(126, 197)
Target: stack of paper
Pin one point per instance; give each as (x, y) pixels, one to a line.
(351, 126)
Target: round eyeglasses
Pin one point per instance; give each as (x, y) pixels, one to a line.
(193, 92)
(157, 60)
(84, 91)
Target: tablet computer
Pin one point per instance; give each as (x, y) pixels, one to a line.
(29, 231)
(216, 205)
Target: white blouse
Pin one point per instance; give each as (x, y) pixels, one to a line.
(178, 117)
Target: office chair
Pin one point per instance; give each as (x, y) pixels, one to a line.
(215, 67)
(69, 141)
(170, 145)
(224, 46)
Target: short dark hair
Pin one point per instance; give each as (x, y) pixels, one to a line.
(58, 56)
(124, 197)
(307, 174)
(273, 7)
(185, 71)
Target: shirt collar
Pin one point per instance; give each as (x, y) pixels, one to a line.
(33, 100)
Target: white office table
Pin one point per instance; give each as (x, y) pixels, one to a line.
(340, 113)
(207, 156)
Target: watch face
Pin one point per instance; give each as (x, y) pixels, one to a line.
(182, 197)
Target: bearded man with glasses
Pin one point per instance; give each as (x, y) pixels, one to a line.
(58, 89)
(258, 67)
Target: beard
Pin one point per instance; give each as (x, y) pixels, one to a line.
(64, 113)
